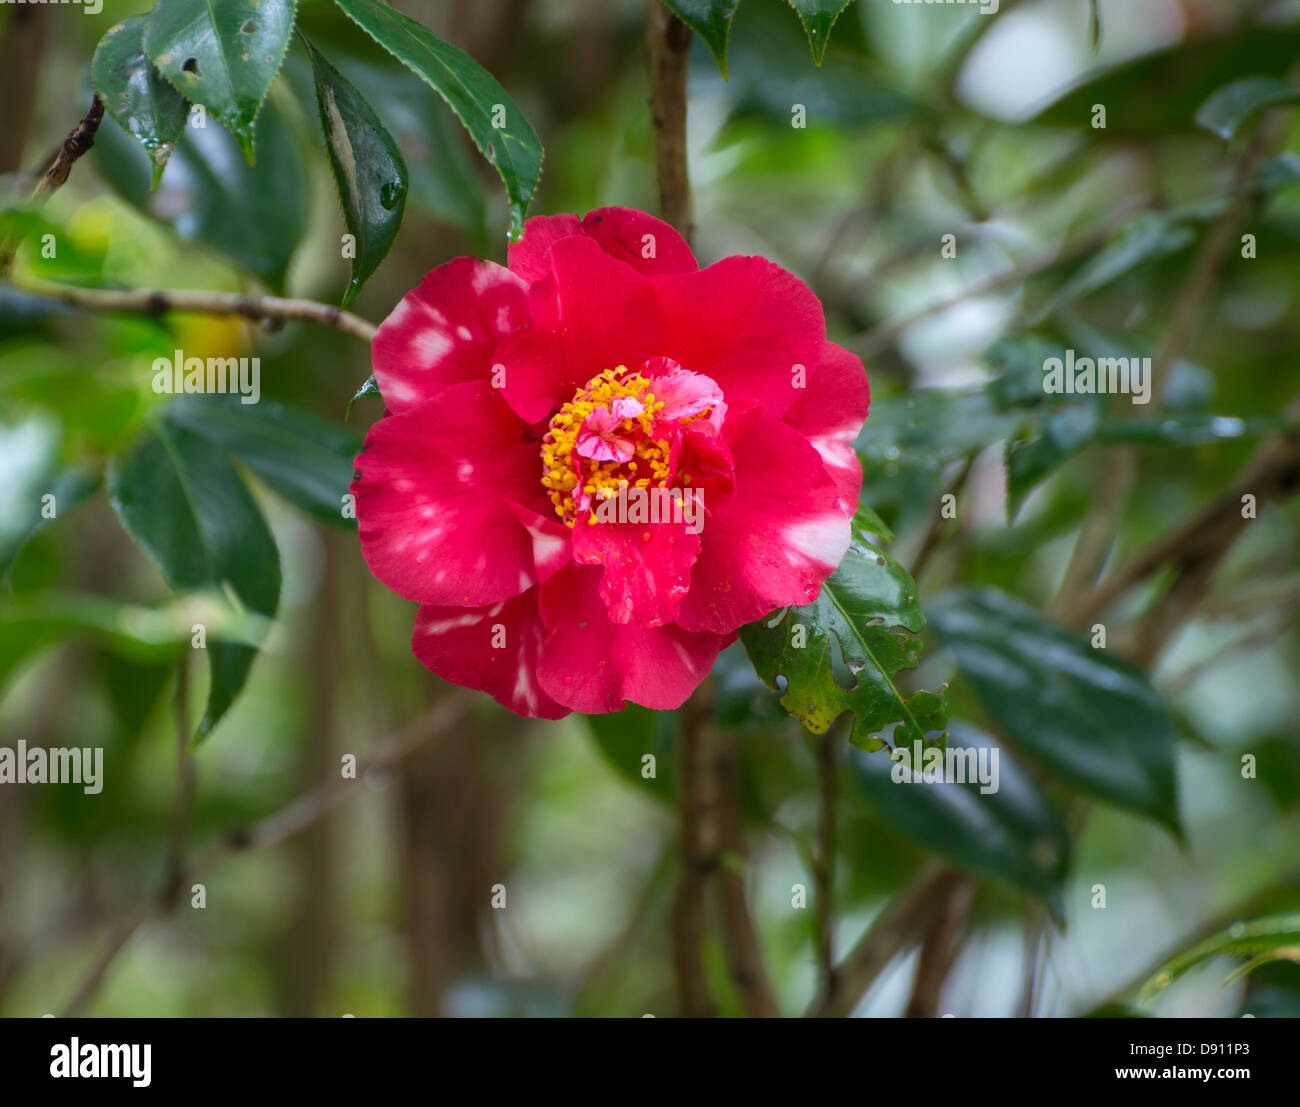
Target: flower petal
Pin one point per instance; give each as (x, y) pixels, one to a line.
(831, 411)
(590, 313)
(591, 664)
(432, 492)
(623, 233)
(493, 648)
(747, 324)
(775, 541)
(445, 330)
(647, 565)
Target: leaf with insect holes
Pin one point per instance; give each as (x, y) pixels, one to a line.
(711, 20)
(492, 119)
(222, 54)
(818, 17)
(135, 94)
(368, 169)
(843, 651)
(184, 504)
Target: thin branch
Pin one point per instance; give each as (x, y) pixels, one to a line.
(899, 926)
(273, 829)
(699, 847)
(740, 938)
(933, 535)
(939, 949)
(824, 862)
(80, 139)
(184, 805)
(668, 42)
(1203, 538)
(1098, 533)
(157, 302)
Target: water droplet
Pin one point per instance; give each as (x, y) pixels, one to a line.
(390, 193)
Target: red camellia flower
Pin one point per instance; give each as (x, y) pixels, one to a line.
(600, 462)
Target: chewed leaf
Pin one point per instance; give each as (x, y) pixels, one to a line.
(843, 651)
(135, 94)
(222, 54)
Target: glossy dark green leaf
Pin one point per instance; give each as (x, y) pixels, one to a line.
(1063, 433)
(186, 507)
(1187, 429)
(711, 20)
(306, 459)
(254, 215)
(1084, 713)
(368, 169)
(1186, 74)
(626, 737)
(222, 54)
(1013, 834)
(1260, 940)
(857, 635)
(741, 701)
(136, 94)
(492, 119)
(1234, 105)
(818, 17)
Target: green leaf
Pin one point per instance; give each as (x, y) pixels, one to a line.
(1232, 106)
(1094, 25)
(1186, 73)
(32, 470)
(1065, 431)
(306, 459)
(186, 507)
(368, 169)
(625, 737)
(818, 17)
(1262, 940)
(136, 94)
(1013, 834)
(369, 388)
(1148, 238)
(711, 20)
(253, 215)
(470, 91)
(858, 634)
(132, 631)
(222, 54)
(1083, 712)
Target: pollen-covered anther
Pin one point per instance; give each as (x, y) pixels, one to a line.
(602, 441)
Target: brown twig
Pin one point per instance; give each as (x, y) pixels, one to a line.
(898, 927)
(157, 302)
(740, 940)
(80, 139)
(939, 948)
(824, 861)
(668, 42)
(273, 829)
(699, 847)
(1098, 533)
(935, 533)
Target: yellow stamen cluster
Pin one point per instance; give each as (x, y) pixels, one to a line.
(563, 470)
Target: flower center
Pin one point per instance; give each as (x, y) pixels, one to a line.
(604, 440)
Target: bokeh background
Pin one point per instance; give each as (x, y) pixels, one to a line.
(923, 121)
